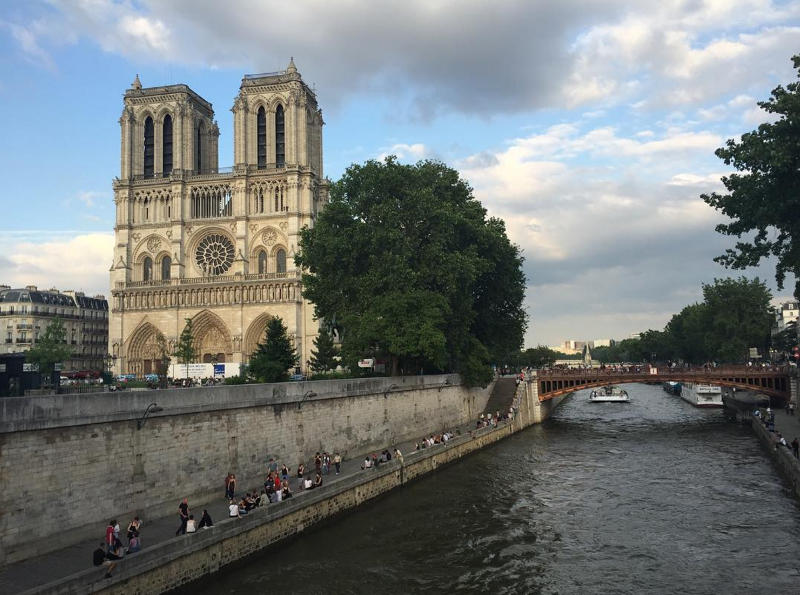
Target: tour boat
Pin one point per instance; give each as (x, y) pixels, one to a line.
(673, 388)
(609, 394)
(702, 395)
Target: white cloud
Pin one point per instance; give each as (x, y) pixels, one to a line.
(67, 260)
(444, 56)
(28, 43)
(404, 151)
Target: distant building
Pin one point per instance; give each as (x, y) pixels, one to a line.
(786, 313)
(635, 336)
(26, 313)
(601, 343)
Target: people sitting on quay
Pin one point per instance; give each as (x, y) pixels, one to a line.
(205, 520)
(100, 558)
(191, 526)
(308, 484)
(318, 480)
(234, 510)
(134, 543)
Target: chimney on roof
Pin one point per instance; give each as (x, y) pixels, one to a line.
(31, 288)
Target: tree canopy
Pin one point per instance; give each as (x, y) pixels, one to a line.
(407, 262)
(763, 198)
(50, 348)
(274, 356)
(734, 316)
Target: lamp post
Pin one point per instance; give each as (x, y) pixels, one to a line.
(111, 361)
(151, 408)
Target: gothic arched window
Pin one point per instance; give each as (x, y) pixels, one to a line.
(198, 157)
(167, 136)
(147, 269)
(280, 261)
(166, 267)
(262, 262)
(261, 121)
(149, 148)
(280, 138)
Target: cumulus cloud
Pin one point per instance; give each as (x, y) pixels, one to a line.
(444, 55)
(65, 260)
(621, 248)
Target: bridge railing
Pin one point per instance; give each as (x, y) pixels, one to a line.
(647, 370)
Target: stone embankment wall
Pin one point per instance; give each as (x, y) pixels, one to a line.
(75, 461)
(783, 458)
(183, 560)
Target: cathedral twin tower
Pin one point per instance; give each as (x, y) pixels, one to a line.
(194, 240)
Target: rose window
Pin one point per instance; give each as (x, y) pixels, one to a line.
(214, 255)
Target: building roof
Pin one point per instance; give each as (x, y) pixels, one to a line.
(51, 298)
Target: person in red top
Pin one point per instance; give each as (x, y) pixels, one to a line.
(110, 536)
(276, 481)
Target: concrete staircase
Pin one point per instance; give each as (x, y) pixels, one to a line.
(502, 396)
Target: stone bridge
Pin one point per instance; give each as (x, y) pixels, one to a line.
(775, 381)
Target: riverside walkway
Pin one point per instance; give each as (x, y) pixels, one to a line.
(38, 571)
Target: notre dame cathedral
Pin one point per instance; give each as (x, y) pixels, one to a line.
(216, 245)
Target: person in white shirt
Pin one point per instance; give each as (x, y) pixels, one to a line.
(234, 510)
(308, 483)
(191, 527)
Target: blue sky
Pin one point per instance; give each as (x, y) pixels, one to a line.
(588, 126)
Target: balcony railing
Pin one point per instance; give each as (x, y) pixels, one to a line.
(207, 280)
(25, 327)
(23, 340)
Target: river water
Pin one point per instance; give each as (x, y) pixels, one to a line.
(650, 497)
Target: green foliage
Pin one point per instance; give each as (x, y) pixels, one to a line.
(763, 199)
(185, 350)
(739, 317)
(50, 348)
(241, 378)
(405, 260)
(274, 356)
(537, 357)
(786, 340)
(325, 357)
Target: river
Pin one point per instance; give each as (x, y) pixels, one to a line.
(650, 497)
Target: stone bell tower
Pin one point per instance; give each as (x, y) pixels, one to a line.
(216, 245)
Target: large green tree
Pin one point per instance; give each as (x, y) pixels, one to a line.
(740, 317)
(274, 356)
(50, 349)
(407, 262)
(763, 196)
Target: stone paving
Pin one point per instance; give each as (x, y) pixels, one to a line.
(38, 571)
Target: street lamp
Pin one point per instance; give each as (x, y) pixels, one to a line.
(151, 408)
(309, 395)
(111, 361)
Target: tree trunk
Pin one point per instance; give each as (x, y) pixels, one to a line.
(395, 365)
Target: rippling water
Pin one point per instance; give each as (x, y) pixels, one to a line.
(649, 497)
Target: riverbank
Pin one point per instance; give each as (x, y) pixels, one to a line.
(789, 427)
(179, 561)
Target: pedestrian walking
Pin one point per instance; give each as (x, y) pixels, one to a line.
(791, 408)
(183, 509)
(133, 527)
(337, 462)
(285, 473)
(318, 463)
(795, 447)
(273, 466)
(230, 486)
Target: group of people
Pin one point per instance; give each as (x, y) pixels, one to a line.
(276, 489)
(767, 417)
(487, 419)
(374, 461)
(112, 549)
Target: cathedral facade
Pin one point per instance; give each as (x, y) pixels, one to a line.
(193, 240)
